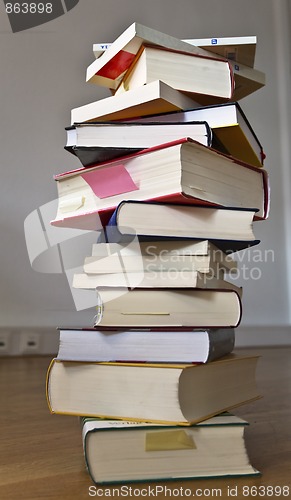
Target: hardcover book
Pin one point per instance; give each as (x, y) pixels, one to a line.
(145, 345)
(229, 229)
(163, 308)
(195, 75)
(97, 142)
(179, 172)
(230, 127)
(152, 62)
(150, 452)
(162, 393)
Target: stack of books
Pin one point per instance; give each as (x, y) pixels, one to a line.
(172, 174)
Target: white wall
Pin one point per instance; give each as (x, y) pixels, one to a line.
(43, 77)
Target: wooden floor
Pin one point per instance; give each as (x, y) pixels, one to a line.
(41, 454)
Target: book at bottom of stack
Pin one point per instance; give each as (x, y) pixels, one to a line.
(123, 451)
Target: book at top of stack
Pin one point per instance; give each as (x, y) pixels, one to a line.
(241, 49)
(109, 69)
(172, 175)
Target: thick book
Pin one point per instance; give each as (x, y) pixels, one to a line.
(161, 346)
(98, 142)
(237, 48)
(156, 97)
(153, 63)
(228, 229)
(164, 393)
(168, 308)
(179, 172)
(150, 452)
(190, 73)
(230, 127)
(110, 67)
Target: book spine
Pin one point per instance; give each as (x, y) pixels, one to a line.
(221, 342)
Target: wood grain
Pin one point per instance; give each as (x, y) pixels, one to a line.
(41, 454)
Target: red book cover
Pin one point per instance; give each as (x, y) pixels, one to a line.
(114, 179)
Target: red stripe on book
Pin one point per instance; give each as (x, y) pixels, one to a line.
(117, 65)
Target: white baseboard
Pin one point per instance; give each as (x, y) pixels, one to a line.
(29, 341)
